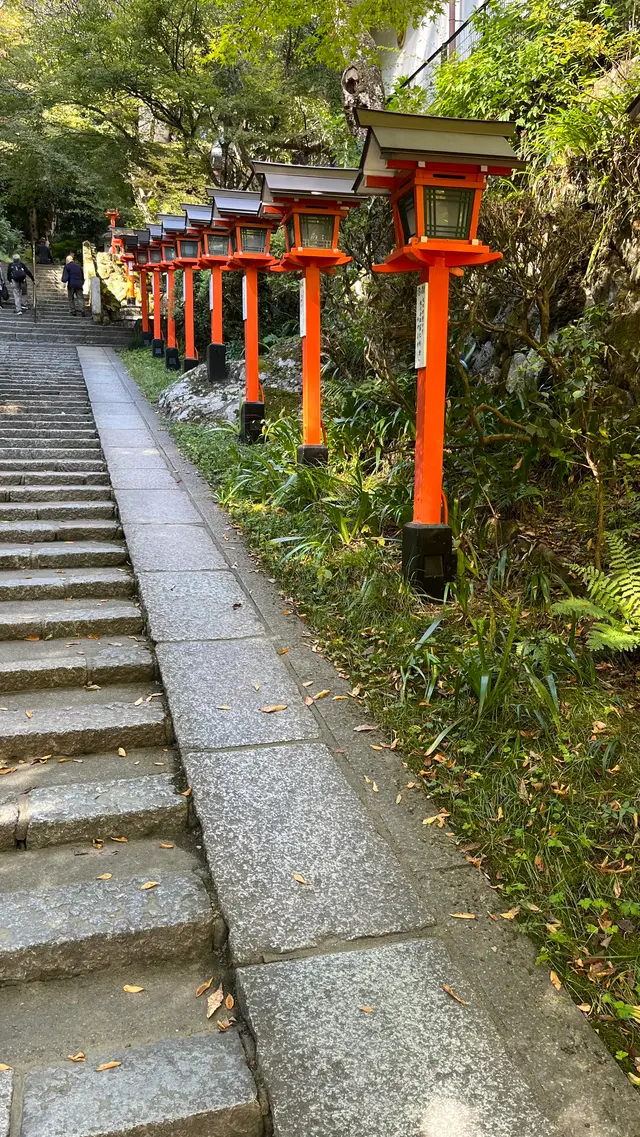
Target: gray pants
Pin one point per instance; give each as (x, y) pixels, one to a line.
(76, 300)
(17, 294)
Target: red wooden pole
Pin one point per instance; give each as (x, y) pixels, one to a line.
(311, 397)
(171, 310)
(189, 330)
(251, 350)
(431, 400)
(144, 301)
(157, 324)
(216, 304)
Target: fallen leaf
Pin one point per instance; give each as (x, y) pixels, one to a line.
(372, 747)
(214, 1001)
(187, 792)
(229, 1002)
(366, 1010)
(166, 845)
(203, 987)
(224, 1024)
(275, 707)
(463, 915)
(29, 714)
(120, 840)
(131, 990)
(375, 788)
(139, 701)
(105, 876)
(95, 687)
(257, 686)
(321, 695)
(107, 1066)
(555, 980)
(8, 770)
(4, 1067)
(398, 799)
(308, 683)
(584, 1007)
(284, 650)
(149, 884)
(308, 701)
(223, 708)
(32, 639)
(97, 842)
(511, 914)
(300, 879)
(634, 1079)
(79, 1057)
(365, 726)
(337, 698)
(454, 995)
(122, 752)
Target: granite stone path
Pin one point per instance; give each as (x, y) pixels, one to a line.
(374, 1012)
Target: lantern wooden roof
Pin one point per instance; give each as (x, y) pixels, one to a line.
(172, 223)
(235, 203)
(198, 216)
(155, 232)
(396, 143)
(282, 182)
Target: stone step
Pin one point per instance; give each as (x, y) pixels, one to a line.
(63, 441)
(58, 451)
(138, 807)
(72, 720)
(77, 420)
(75, 928)
(52, 464)
(29, 664)
(56, 617)
(59, 554)
(65, 584)
(55, 493)
(60, 479)
(55, 510)
(38, 531)
(186, 1087)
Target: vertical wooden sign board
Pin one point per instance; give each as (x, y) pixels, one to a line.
(211, 291)
(421, 325)
(244, 297)
(303, 308)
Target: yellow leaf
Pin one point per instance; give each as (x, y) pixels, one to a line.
(430, 820)
(463, 915)
(167, 845)
(375, 747)
(284, 650)
(107, 1066)
(454, 995)
(214, 1001)
(4, 1067)
(79, 1057)
(203, 987)
(584, 1007)
(634, 1079)
(337, 698)
(300, 879)
(29, 714)
(308, 701)
(511, 914)
(500, 813)
(224, 1024)
(132, 990)
(120, 840)
(555, 980)
(97, 842)
(229, 1002)
(223, 708)
(105, 876)
(139, 701)
(187, 792)
(398, 799)
(375, 788)
(122, 752)
(321, 695)
(366, 1010)
(149, 884)
(308, 683)
(276, 707)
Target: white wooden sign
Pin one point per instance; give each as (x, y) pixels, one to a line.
(422, 294)
(211, 292)
(184, 287)
(244, 297)
(303, 308)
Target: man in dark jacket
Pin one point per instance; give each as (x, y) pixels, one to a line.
(17, 273)
(73, 277)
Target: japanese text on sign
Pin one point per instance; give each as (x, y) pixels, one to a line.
(421, 325)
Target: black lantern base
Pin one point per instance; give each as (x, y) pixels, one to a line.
(217, 362)
(428, 560)
(131, 302)
(172, 359)
(251, 422)
(312, 455)
(147, 339)
(189, 363)
(157, 348)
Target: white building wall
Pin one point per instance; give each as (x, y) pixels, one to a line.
(401, 60)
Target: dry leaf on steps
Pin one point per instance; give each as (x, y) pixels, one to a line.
(4, 1067)
(300, 879)
(79, 1057)
(454, 995)
(107, 1066)
(511, 914)
(149, 884)
(555, 980)
(365, 726)
(229, 1002)
(321, 695)
(463, 916)
(203, 987)
(187, 792)
(105, 876)
(366, 1010)
(214, 1001)
(308, 701)
(224, 1024)
(122, 752)
(132, 990)
(276, 707)
(120, 840)
(167, 845)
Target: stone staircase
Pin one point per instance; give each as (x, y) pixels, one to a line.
(107, 925)
(51, 322)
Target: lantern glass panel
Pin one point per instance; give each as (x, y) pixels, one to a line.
(217, 244)
(168, 253)
(155, 256)
(253, 240)
(447, 212)
(189, 250)
(142, 257)
(407, 211)
(316, 231)
(234, 241)
(291, 235)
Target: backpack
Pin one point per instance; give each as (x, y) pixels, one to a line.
(18, 274)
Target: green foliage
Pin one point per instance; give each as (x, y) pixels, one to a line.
(613, 600)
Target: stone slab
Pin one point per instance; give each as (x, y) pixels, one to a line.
(135, 806)
(141, 479)
(197, 606)
(6, 1093)
(167, 506)
(125, 436)
(418, 1064)
(8, 823)
(172, 548)
(75, 928)
(269, 813)
(202, 677)
(135, 457)
(191, 1087)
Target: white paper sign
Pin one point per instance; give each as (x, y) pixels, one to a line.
(421, 325)
(244, 297)
(184, 287)
(211, 292)
(303, 308)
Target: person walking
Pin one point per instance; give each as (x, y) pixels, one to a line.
(4, 291)
(73, 277)
(43, 252)
(17, 274)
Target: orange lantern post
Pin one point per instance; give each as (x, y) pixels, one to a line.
(155, 264)
(187, 243)
(314, 200)
(113, 216)
(141, 262)
(214, 255)
(172, 353)
(250, 227)
(435, 171)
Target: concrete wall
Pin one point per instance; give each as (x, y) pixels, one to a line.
(401, 59)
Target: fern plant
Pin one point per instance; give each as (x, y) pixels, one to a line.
(613, 600)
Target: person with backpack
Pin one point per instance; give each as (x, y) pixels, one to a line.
(17, 273)
(4, 291)
(73, 277)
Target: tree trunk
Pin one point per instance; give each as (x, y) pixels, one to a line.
(362, 84)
